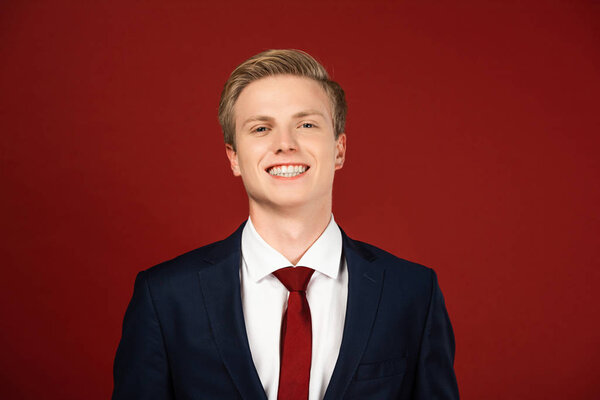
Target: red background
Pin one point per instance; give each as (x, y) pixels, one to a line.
(472, 148)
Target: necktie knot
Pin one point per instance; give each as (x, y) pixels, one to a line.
(295, 279)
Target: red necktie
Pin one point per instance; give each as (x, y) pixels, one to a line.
(296, 335)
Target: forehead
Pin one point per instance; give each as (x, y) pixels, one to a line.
(280, 96)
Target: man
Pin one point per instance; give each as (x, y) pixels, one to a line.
(287, 307)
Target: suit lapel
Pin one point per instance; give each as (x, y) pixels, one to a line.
(220, 285)
(365, 280)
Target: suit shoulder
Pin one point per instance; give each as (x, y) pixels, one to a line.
(412, 279)
(190, 262)
(393, 262)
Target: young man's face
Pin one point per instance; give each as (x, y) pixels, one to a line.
(286, 151)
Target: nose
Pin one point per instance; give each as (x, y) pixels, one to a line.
(285, 140)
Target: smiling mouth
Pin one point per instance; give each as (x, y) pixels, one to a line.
(287, 171)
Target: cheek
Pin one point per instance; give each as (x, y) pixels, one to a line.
(248, 159)
(328, 153)
(322, 147)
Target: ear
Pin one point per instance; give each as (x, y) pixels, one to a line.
(233, 159)
(340, 155)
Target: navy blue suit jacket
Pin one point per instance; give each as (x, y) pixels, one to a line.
(184, 335)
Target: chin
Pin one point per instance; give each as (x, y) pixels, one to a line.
(289, 201)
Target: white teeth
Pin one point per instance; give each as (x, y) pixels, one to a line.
(288, 171)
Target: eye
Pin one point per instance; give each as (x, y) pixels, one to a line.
(307, 125)
(260, 129)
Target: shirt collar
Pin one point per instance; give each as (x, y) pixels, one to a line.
(323, 256)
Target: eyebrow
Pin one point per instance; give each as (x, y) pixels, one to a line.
(266, 118)
(263, 118)
(307, 113)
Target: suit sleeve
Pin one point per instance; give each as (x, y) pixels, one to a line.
(435, 378)
(141, 368)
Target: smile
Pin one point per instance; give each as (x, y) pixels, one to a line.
(287, 171)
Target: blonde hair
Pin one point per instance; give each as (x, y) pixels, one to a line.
(278, 62)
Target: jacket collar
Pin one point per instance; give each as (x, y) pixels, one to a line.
(365, 280)
(220, 284)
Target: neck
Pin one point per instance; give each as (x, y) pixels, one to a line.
(290, 232)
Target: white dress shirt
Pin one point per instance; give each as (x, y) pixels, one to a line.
(264, 300)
